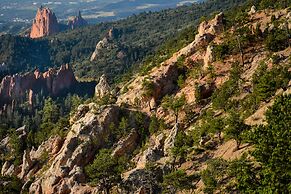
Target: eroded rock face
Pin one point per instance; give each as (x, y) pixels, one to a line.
(87, 135)
(126, 145)
(208, 30)
(100, 45)
(77, 22)
(102, 88)
(44, 24)
(53, 82)
(163, 79)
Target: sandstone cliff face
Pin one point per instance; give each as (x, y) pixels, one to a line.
(44, 24)
(53, 81)
(76, 22)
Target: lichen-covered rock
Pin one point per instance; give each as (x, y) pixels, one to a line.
(170, 140)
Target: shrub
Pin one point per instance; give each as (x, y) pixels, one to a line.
(269, 170)
(277, 40)
(177, 180)
(12, 185)
(105, 170)
(214, 174)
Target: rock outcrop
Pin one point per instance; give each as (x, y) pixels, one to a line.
(44, 24)
(105, 43)
(76, 22)
(65, 169)
(102, 88)
(165, 76)
(53, 82)
(126, 145)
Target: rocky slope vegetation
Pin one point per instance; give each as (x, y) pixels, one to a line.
(211, 118)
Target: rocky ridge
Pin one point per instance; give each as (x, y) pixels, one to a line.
(106, 43)
(52, 81)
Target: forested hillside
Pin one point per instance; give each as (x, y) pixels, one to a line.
(138, 36)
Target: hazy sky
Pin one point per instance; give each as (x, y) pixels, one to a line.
(91, 9)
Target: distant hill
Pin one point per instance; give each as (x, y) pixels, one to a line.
(94, 10)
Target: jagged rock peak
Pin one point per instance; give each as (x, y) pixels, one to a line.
(77, 21)
(52, 81)
(44, 24)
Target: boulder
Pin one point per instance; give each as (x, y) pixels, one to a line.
(26, 164)
(253, 10)
(153, 153)
(208, 57)
(9, 169)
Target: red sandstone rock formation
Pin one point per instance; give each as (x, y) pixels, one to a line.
(53, 82)
(44, 24)
(77, 21)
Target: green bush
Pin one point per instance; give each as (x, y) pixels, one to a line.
(220, 51)
(178, 180)
(266, 82)
(182, 144)
(213, 175)
(221, 97)
(105, 170)
(10, 185)
(277, 40)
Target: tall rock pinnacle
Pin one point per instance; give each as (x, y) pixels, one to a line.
(44, 24)
(77, 21)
